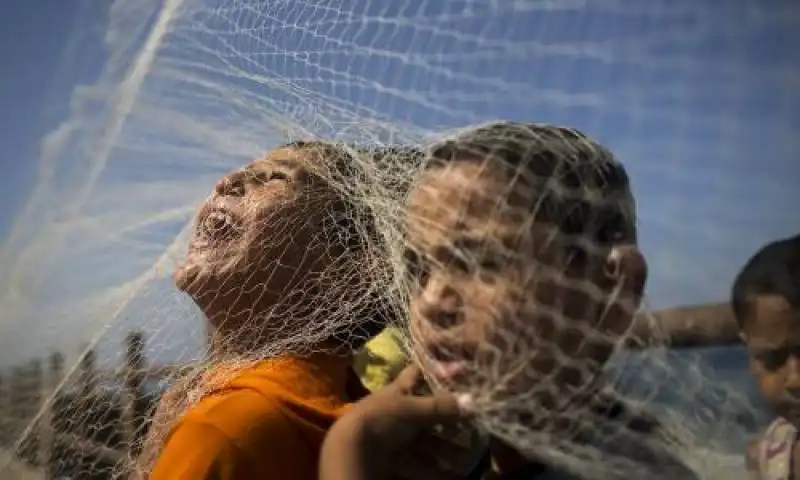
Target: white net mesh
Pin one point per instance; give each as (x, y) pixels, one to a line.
(698, 101)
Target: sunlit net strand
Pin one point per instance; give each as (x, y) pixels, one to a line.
(242, 102)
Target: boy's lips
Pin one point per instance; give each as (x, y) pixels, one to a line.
(448, 370)
(449, 360)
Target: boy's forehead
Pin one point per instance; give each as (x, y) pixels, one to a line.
(455, 199)
(476, 194)
(773, 309)
(465, 190)
(772, 319)
(443, 226)
(460, 207)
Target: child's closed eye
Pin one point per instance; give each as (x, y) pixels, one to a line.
(263, 176)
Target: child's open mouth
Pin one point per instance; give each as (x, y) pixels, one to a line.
(449, 361)
(215, 226)
(448, 370)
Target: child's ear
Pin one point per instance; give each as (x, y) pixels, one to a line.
(743, 337)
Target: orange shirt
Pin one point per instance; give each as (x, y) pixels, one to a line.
(267, 423)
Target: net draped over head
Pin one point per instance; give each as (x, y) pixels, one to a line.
(194, 89)
(285, 260)
(288, 267)
(509, 235)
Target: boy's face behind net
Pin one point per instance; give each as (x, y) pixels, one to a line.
(509, 306)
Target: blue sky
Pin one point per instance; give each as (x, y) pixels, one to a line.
(32, 39)
(700, 99)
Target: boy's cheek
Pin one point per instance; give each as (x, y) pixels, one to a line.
(770, 384)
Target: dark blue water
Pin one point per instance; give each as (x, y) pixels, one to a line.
(709, 389)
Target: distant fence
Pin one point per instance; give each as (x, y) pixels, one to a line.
(81, 431)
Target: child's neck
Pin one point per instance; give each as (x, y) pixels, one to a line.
(237, 345)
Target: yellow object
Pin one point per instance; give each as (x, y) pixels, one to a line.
(381, 359)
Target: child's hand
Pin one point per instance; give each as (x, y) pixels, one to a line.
(382, 426)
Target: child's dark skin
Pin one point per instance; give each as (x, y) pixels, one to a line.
(766, 301)
(772, 333)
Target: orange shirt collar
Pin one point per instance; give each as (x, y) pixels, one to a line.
(315, 375)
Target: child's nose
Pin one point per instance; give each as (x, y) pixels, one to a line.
(231, 185)
(794, 392)
(793, 376)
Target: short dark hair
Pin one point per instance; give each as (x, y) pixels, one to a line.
(773, 270)
(563, 160)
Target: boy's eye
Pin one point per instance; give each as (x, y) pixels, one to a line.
(490, 264)
(773, 359)
(576, 255)
(613, 229)
(469, 262)
(463, 261)
(415, 266)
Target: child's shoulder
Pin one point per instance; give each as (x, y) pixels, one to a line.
(244, 418)
(241, 426)
(770, 454)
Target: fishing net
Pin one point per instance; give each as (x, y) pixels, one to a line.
(688, 96)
